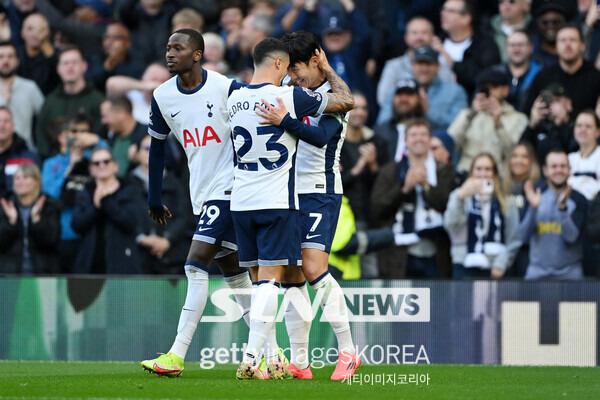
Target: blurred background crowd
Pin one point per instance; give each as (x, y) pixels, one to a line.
(472, 150)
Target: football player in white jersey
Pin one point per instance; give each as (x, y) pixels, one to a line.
(320, 195)
(192, 106)
(264, 201)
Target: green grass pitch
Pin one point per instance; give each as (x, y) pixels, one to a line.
(69, 380)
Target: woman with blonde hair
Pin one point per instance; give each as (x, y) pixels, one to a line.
(522, 166)
(482, 223)
(29, 226)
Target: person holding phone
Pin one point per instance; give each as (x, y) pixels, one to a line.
(491, 124)
(482, 223)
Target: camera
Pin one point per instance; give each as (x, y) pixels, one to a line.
(488, 187)
(483, 89)
(547, 97)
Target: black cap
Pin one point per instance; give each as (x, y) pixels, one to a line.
(557, 89)
(550, 6)
(491, 76)
(336, 23)
(426, 54)
(407, 86)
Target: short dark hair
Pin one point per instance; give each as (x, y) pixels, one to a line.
(70, 47)
(267, 47)
(194, 37)
(301, 46)
(120, 101)
(80, 118)
(8, 43)
(591, 113)
(572, 26)
(555, 150)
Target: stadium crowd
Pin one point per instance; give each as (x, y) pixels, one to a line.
(471, 152)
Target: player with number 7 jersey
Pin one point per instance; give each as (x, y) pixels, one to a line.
(264, 200)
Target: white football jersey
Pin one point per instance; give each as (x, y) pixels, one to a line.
(265, 172)
(319, 168)
(198, 119)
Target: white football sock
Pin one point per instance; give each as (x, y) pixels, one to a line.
(298, 319)
(262, 318)
(241, 281)
(195, 301)
(335, 311)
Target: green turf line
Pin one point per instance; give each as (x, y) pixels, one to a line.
(87, 380)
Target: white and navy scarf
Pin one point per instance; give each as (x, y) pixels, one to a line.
(482, 243)
(417, 219)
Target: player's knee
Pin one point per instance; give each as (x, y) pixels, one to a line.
(201, 254)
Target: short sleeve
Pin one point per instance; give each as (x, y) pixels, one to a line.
(157, 126)
(308, 103)
(235, 85)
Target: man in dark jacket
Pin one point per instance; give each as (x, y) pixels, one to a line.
(105, 216)
(465, 49)
(411, 196)
(13, 151)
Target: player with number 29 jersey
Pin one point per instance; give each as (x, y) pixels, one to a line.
(198, 119)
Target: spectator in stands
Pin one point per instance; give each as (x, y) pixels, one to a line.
(522, 166)
(187, 18)
(117, 57)
(419, 33)
(442, 147)
(411, 196)
(16, 12)
(148, 19)
(572, 72)
(589, 14)
(214, 53)
(232, 15)
(550, 18)
(37, 57)
(117, 116)
(593, 226)
(483, 225)
(520, 68)
(585, 163)
(139, 91)
(75, 95)
(491, 125)
(465, 49)
(29, 226)
(21, 95)
(554, 223)
(362, 154)
(513, 15)
(13, 151)
(163, 248)
(406, 104)
(105, 216)
(254, 29)
(550, 125)
(444, 99)
(66, 174)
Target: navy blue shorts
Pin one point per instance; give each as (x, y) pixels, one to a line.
(319, 213)
(215, 225)
(267, 237)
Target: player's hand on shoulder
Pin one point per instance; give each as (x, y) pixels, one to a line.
(159, 214)
(272, 114)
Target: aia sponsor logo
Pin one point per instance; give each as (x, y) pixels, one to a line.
(197, 139)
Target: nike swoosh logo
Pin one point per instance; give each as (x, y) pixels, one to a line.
(187, 309)
(174, 115)
(311, 236)
(203, 229)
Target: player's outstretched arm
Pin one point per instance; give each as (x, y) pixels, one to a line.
(340, 98)
(318, 135)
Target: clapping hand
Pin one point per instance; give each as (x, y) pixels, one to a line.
(534, 197)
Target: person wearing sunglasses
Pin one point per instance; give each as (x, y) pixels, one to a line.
(105, 217)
